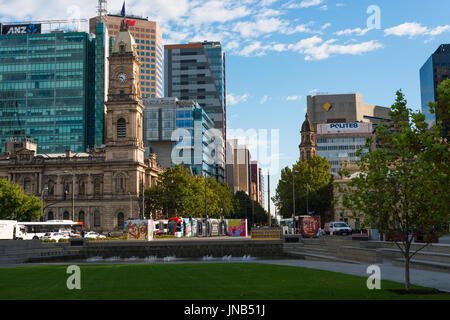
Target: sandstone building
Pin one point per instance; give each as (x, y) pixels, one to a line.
(103, 187)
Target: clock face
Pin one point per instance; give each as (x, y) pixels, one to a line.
(122, 77)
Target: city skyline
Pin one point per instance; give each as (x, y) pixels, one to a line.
(278, 52)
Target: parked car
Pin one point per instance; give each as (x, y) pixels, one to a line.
(337, 227)
(94, 235)
(54, 236)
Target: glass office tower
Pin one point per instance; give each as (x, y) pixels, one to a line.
(179, 132)
(435, 70)
(98, 53)
(52, 89)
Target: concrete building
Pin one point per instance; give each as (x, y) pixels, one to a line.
(180, 132)
(254, 172)
(102, 187)
(196, 71)
(435, 70)
(340, 108)
(148, 37)
(52, 88)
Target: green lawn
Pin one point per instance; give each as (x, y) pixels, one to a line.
(221, 281)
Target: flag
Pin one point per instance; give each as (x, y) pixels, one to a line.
(122, 12)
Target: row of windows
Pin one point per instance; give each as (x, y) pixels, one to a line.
(341, 147)
(341, 140)
(41, 66)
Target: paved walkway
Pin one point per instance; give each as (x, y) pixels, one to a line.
(431, 279)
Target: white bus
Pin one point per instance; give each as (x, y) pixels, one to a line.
(36, 230)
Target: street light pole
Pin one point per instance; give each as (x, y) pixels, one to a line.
(293, 201)
(131, 207)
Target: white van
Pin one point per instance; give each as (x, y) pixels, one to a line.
(10, 230)
(337, 227)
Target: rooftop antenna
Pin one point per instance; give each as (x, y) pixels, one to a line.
(102, 11)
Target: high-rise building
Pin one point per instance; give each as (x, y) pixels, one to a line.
(148, 37)
(241, 167)
(197, 71)
(262, 189)
(47, 91)
(178, 131)
(435, 70)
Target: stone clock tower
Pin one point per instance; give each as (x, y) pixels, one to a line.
(308, 147)
(124, 115)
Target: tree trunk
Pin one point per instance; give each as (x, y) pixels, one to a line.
(407, 284)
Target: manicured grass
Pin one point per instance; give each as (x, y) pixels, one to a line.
(221, 281)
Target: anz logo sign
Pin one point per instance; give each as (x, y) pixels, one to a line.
(21, 29)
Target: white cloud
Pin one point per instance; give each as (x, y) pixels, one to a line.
(315, 48)
(413, 29)
(260, 26)
(357, 31)
(324, 8)
(340, 5)
(304, 4)
(216, 11)
(325, 26)
(233, 99)
(263, 99)
(293, 98)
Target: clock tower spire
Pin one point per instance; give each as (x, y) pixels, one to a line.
(124, 114)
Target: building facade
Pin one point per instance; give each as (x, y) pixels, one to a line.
(148, 37)
(43, 90)
(435, 70)
(181, 132)
(339, 142)
(102, 187)
(241, 167)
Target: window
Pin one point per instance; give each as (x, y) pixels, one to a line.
(65, 215)
(97, 187)
(120, 183)
(96, 219)
(27, 185)
(121, 128)
(120, 221)
(51, 187)
(82, 187)
(81, 216)
(50, 215)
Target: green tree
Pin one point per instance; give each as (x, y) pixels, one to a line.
(403, 186)
(245, 208)
(311, 176)
(15, 205)
(180, 194)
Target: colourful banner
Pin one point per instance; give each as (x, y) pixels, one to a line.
(237, 227)
(139, 229)
(310, 226)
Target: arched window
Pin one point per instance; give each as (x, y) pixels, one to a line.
(120, 221)
(50, 215)
(65, 215)
(96, 219)
(81, 216)
(51, 187)
(121, 128)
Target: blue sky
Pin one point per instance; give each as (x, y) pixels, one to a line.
(278, 52)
